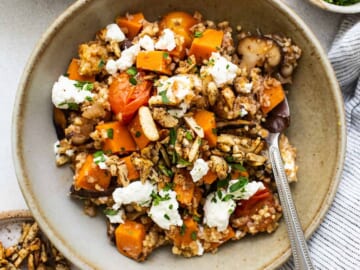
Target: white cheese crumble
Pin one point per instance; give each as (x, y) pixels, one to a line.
(222, 71)
(117, 218)
(199, 170)
(135, 192)
(200, 248)
(183, 107)
(147, 43)
(164, 210)
(126, 60)
(217, 211)
(69, 152)
(243, 112)
(100, 160)
(247, 191)
(56, 147)
(177, 89)
(114, 33)
(247, 87)
(166, 40)
(65, 92)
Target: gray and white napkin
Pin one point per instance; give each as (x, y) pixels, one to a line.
(336, 243)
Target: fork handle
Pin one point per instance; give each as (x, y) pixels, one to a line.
(302, 260)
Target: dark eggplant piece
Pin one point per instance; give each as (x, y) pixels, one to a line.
(60, 122)
(279, 118)
(88, 194)
(259, 51)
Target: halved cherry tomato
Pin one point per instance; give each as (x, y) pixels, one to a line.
(251, 206)
(127, 94)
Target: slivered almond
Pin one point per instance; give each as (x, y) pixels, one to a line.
(147, 124)
(194, 126)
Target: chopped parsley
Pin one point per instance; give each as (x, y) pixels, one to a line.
(237, 167)
(196, 219)
(168, 186)
(101, 64)
(71, 105)
(184, 162)
(182, 229)
(137, 134)
(222, 183)
(172, 136)
(165, 55)
(164, 97)
(110, 133)
(229, 159)
(188, 136)
(189, 61)
(157, 198)
(99, 157)
(198, 34)
(88, 98)
(87, 86)
(342, 2)
(66, 74)
(240, 184)
(133, 81)
(165, 170)
(171, 206)
(227, 197)
(194, 236)
(110, 212)
(214, 131)
(166, 216)
(132, 71)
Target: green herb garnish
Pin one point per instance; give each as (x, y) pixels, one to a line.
(237, 167)
(172, 136)
(166, 216)
(241, 183)
(164, 97)
(198, 34)
(133, 81)
(137, 134)
(110, 133)
(194, 236)
(165, 55)
(182, 229)
(188, 136)
(88, 98)
(101, 64)
(157, 198)
(88, 86)
(196, 219)
(110, 212)
(165, 170)
(132, 71)
(184, 162)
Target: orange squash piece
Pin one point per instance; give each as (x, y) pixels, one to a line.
(237, 174)
(210, 177)
(209, 41)
(230, 234)
(180, 23)
(186, 233)
(90, 175)
(206, 120)
(184, 187)
(73, 72)
(137, 133)
(133, 174)
(273, 96)
(153, 61)
(132, 22)
(121, 141)
(129, 238)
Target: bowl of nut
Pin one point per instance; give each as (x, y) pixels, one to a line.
(140, 132)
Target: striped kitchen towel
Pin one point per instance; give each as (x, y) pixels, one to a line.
(336, 243)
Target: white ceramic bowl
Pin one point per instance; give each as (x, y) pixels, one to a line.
(317, 130)
(355, 8)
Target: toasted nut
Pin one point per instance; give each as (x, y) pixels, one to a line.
(147, 124)
(194, 126)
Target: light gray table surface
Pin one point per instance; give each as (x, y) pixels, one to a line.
(21, 24)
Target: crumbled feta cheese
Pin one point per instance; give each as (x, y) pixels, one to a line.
(178, 88)
(222, 71)
(111, 67)
(164, 211)
(247, 191)
(199, 170)
(243, 112)
(200, 248)
(128, 57)
(147, 43)
(166, 40)
(217, 211)
(114, 33)
(56, 147)
(117, 218)
(65, 92)
(69, 152)
(247, 87)
(135, 192)
(126, 60)
(288, 154)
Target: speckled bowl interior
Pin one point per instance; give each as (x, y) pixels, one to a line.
(317, 130)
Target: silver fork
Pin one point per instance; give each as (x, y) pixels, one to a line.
(277, 122)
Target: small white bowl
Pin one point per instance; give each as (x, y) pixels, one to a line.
(355, 8)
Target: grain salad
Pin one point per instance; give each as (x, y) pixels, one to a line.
(162, 123)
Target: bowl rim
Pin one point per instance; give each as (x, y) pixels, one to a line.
(351, 9)
(20, 105)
